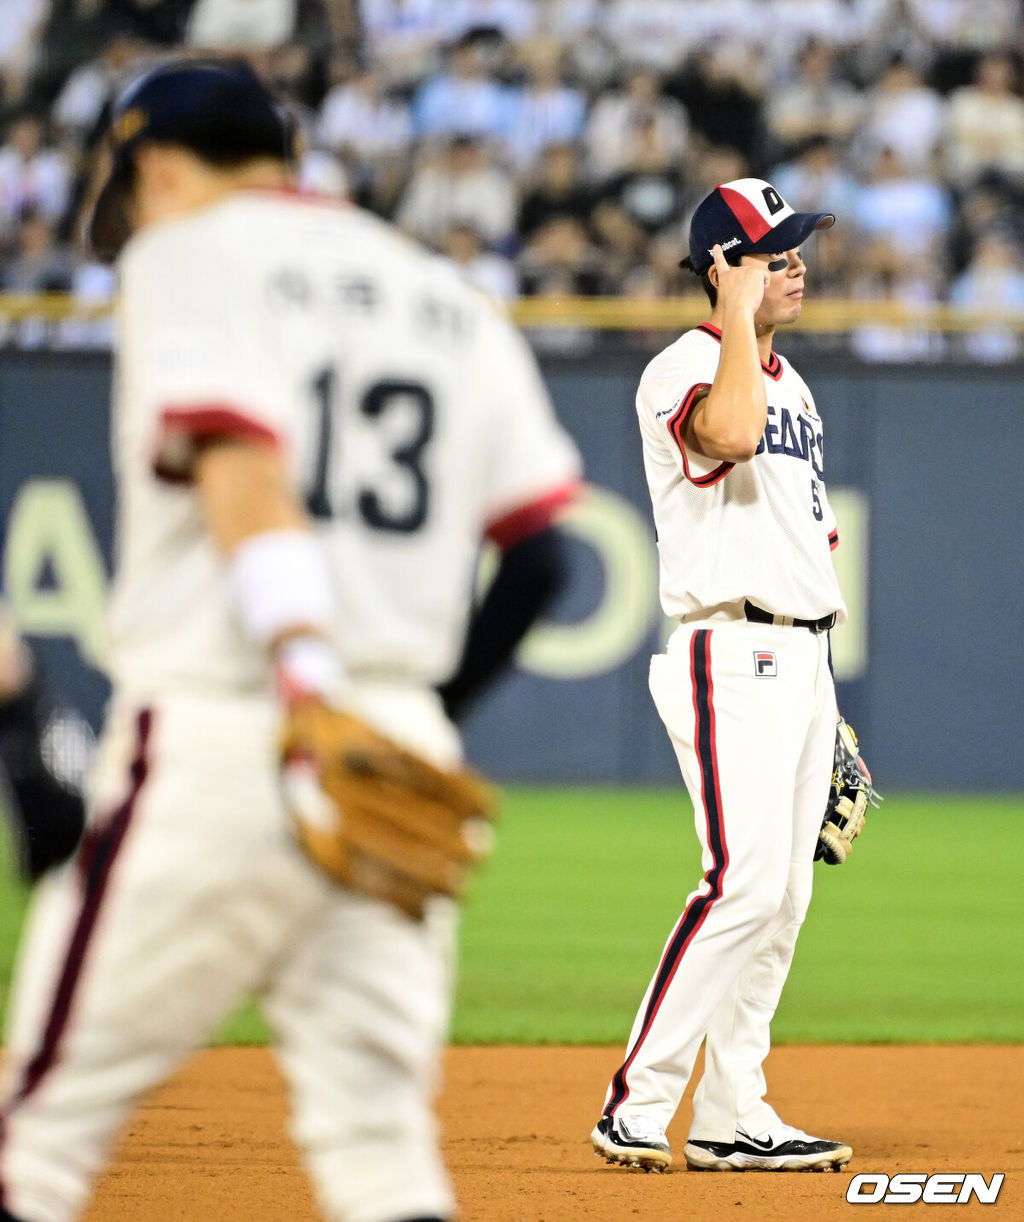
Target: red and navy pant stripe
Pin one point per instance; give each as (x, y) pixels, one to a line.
(697, 911)
(95, 862)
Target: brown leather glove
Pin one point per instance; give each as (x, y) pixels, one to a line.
(377, 818)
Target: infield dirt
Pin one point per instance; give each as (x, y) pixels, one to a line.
(211, 1146)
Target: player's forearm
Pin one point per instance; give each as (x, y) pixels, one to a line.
(243, 492)
(730, 421)
(277, 574)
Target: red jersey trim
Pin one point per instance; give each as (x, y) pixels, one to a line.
(301, 195)
(676, 424)
(774, 366)
(188, 428)
(833, 541)
(530, 519)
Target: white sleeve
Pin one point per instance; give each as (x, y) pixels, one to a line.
(533, 465)
(195, 363)
(667, 395)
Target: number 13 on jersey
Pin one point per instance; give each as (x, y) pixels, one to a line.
(402, 513)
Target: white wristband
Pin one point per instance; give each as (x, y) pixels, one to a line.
(307, 666)
(279, 584)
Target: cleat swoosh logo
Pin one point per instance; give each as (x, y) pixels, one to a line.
(756, 1141)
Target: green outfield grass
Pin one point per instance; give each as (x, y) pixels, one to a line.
(917, 938)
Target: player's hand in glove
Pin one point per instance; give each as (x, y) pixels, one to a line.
(848, 797)
(376, 817)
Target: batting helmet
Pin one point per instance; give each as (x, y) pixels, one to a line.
(219, 109)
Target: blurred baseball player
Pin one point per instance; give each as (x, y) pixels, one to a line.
(315, 426)
(732, 445)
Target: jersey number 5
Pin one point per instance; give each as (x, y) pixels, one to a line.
(816, 508)
(377, 402)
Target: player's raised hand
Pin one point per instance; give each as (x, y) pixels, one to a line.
(741, 286)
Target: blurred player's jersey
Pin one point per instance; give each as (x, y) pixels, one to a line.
(410, 415)
(761, 530)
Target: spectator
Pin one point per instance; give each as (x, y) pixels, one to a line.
(651, 34)
(794, 24)
(403, 38)
(488, 271)
(711, 166)
(968, 27)
(241, 24)
(286, 40)
(459, 185)
(660, 275)
(38, 265)
(622, 243)
(158, 22)
(511, 20)
(905, 222)
(547, 110)
(986, 124)
(581, 26)
(557, 190)
(903, 114)
(883, 28)
(992, 203)
(885, 280)
(618, 115)
(463, 100)
(32, 176)
(561, 260)
(722, 89)
(89, 88)
(20, 33)
(74, 32)
(817, 103)
(360, 118)
(994, 280)
(817, 173)
(649, 190)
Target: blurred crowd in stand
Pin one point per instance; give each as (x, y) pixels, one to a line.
(557, 148)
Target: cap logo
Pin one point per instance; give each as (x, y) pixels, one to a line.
(774, 200)
(129, 124)
(728, 245)
(756, 205)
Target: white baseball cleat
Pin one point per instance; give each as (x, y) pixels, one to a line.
(780, 1149)
(633, 1140)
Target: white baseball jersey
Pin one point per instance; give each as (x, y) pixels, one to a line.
(411, 416)
(761, 530)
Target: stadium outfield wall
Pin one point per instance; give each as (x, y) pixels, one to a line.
(922, 466)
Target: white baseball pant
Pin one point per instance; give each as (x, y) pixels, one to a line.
(188, 894)
(751, 713)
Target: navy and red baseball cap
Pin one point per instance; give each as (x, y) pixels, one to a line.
(218, 108)
(747, 216)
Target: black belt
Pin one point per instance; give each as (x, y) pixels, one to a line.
(755, 615)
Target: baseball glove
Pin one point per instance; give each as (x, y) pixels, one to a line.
(848, 798)
(377, 818)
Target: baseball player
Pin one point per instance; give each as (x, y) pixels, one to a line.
(732, 445)
(315, 425)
